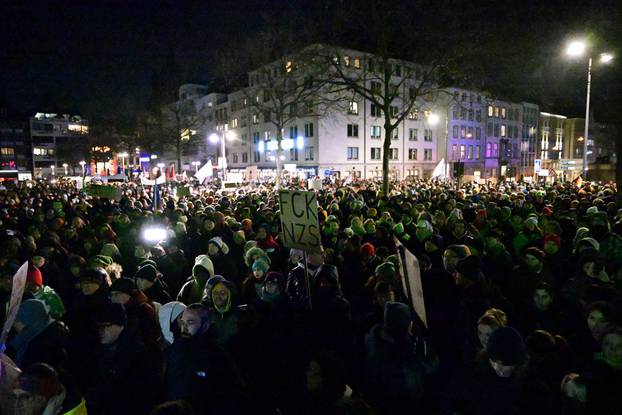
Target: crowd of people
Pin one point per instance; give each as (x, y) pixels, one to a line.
(521, 284)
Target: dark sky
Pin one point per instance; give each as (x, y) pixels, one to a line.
(98, 57)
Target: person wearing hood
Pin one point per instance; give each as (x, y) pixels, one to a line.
(168, 316)
(525, 276)
(266, 241)
(397, 358)
(149, 282)
(92, 296)
(192, 291)
(141, 314)
(227, 316)
(39, 337)
(198, 370)
(223, 263)
(173, 265)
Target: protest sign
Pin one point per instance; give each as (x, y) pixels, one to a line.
(17, 291)
(105, 192)
(411, 280)
(299, 220)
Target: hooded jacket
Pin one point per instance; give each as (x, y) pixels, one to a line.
(192, 291)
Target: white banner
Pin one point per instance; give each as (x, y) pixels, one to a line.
(411, 280)
(17, 291)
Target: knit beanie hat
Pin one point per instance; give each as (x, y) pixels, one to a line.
(247, 224)
(110, 250)
(112, 313)
(34, 276)
(553, 238)
(123, 285)
(368, 249)
(386, 271)
(96, 275)
(461, 251)
(261, 265)
(397, 318)
(470, 267)
(222, 246)
(506, 345)
(249, 245)
(147, 272)
(239, 237)
(102, 261)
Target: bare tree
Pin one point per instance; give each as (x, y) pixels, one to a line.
(179, 126)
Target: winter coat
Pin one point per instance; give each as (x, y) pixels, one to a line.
(50, 347)
(158, 292)
(52, 301)
(192, 291)
(296, 285)
(199, 371)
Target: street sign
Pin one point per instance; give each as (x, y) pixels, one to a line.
(299, 220)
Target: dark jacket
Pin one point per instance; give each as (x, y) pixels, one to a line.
(296, 284)
(199, 371)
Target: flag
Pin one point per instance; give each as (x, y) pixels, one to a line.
(172, 172)
(204, 172)
(439, 170)
(578, 181)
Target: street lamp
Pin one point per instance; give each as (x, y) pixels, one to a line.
(65, 165)
(215, 138)
(53, 167)
(577, 48)
(82, 163)
(433, 119)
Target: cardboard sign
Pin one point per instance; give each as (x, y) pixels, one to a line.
(299, 220)
(411, 280)
(105, 192)
(17, 291)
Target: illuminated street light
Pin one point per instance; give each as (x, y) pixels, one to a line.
(575, 49)
(433, 119)
(65, 165)
(213, 138)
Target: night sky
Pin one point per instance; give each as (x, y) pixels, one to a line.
(100, 57)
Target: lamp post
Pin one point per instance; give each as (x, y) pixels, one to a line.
(53, 167)
(215, 138)
(575, 49)
(65, 165)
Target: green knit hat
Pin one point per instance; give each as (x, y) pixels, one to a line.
(386, 271)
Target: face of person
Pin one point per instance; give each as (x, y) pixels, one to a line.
(89, 287)
(503, 371)
(483, 333)
(597, 323)
(271, 288)
(212, 250)
(190, 324)
(220, 295)
(209, 225)
(315, 259)
(551, 248)
(108, 332)
(119, 298)
(449, 260)
(314, 376)
(612, 349)
(531, 261)
(542, 299)
(382, 299)
(258, 274)
(261, 233)
(143, 284)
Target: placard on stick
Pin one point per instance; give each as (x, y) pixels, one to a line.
(299, 220)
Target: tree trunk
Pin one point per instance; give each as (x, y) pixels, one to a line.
(388, 130)
(279, 138)
(618, 136)
(178, 150)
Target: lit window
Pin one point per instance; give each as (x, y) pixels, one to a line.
(490, 111)
(354, 107)
(289, 66)
(346, 60)
(357, 63)
(502, 130)
(503, 112)
(462, 151)
(477, 152)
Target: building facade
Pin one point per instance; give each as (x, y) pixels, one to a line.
(551, 142)
(55, 140)
(15, 151)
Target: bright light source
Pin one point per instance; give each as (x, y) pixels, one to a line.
(124, 154)
(287, 144)
(272, 158)
(282, 157)
(161, 165)
(65, 165)
(154, 234)
(230, 135)
(261, 146)
(213, 138)
(576, 48)
(82, 163)
(433, 119)
(606, 57)
(154, 156)
(300, 142)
